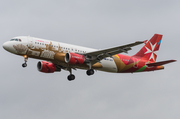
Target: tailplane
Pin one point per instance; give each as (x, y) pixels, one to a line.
(160, 63)
(150, 49)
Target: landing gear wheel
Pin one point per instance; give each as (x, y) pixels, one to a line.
(90, 72)
(71, 77)
(24, 65)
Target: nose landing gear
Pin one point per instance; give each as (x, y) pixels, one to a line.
(25, 59)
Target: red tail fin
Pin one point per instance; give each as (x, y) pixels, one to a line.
(150, 49)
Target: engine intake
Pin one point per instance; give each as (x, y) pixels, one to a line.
(46, 67)
(73, 58)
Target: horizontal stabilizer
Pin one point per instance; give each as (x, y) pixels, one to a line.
(160, 63)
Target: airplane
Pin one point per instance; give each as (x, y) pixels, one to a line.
(57, 56)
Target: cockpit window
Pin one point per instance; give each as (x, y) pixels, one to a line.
(16, 40)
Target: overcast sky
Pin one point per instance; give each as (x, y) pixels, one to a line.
(29, 94)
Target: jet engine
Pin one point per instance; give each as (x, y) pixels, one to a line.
(73, 58)
(46, 67)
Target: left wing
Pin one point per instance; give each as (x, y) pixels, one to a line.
(96, 56)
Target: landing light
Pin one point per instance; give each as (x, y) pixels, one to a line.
(25, 56)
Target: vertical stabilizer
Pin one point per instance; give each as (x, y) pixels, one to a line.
(150, 49)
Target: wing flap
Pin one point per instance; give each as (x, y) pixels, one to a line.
(161, 63)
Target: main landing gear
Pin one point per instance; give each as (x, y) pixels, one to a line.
(25, 59)
(90, 72)
(71, 76)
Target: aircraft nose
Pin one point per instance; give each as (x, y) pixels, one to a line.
(8, 46)
(5, 46)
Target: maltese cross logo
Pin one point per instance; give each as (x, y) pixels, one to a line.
(151, 50)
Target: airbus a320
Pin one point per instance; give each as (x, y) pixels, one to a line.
(57, 56)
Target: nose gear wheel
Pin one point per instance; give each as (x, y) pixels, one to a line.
(24, 65)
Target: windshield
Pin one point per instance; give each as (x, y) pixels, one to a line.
(15, 40)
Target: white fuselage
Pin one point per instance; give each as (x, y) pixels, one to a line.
(24, 45)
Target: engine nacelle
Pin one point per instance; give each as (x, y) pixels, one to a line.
(46, 67)
(73, 58)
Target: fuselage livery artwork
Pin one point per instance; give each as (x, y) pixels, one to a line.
(57, 56)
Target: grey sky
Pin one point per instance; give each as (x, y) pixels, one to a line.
(27, 93)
